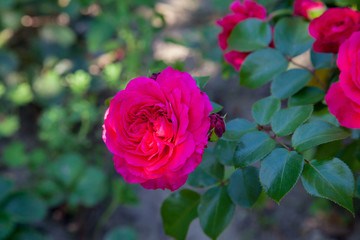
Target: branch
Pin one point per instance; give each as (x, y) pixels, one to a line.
(273, 136)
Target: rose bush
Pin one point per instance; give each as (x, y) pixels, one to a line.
(308, 8)
(157, 129)
(343, 97)
(241, 11)
(293, 134)
(332, 28)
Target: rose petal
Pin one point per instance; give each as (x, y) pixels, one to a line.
(170, 182)
(348, 50)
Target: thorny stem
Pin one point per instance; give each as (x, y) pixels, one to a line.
(273, 136)
(309, 70)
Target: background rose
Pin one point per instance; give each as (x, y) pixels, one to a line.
(343, 97)
(157, 129)
(241, 11)
(333, 28)
(304, 8)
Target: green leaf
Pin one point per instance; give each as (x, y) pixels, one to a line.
(315, 133)
(263, 110)
(244, 186)
(328, 150)
(350, 154)
(178, 211)
(325, 115)
(209, 172)
(308, 95)
(20, 94)
(216, 107)
(24, 207)
(6, 187)
(66, 169)
(123, 233)
(202, 81)
(291, 36)
(279, 172)
(330, 179)
(9, 125)
(285, 121)
(321, 60)
(290, 82)
(37, 158)
(249, 35)
(90, 188)
(224, 151)
(236, 128)
(261, 66)
(14, 155)
(252, 147)
(7, 226)
(215, 211)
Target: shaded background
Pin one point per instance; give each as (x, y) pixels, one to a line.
(60, 60)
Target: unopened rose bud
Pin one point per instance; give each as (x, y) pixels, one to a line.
(217, 127)
(154, 76)
(309, 9)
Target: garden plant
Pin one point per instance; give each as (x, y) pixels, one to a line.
(160, 127)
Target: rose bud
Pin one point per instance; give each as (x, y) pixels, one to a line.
(217, 127)
(154, 76)
(157, 130)
(309, 9)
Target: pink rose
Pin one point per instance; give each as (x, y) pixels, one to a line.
(343, 97)
(332, 28)
(241, 11)
(157, 129)
(306, 8)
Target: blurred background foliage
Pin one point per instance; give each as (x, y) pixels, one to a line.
(59, 61)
